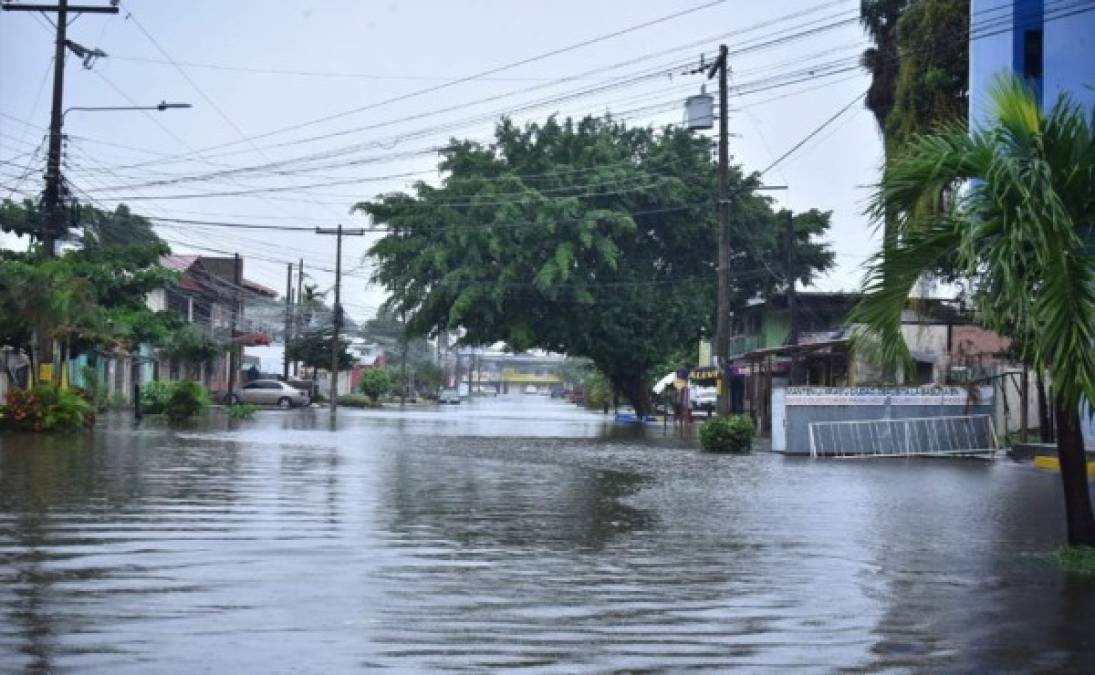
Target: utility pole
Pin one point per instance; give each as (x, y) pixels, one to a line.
(722, 321)
(233, 355)
(288, 321)
(338, 232)
(471, 370)
(53, 222)
(792, 300)
(300, 305)
(403, 363)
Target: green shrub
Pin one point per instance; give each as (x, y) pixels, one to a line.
(154, 396)
(242, 411)
(728, 434)
(93, 390)
(118, 400)
(598, 391)
(375, 382)
(357, 401)
(188, 399)
(46, 408)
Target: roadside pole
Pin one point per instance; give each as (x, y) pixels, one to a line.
(338, 232)
(300, 305)
(288, 322)
(722, 322)
(52, 225)
(792, 299)
(233, 357)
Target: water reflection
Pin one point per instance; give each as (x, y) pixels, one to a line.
(518, 533)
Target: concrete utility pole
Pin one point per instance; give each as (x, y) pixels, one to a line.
(792, 300)
(722, 321)
(53, 222)
(233, 353)
(288, 320)
(300, 305)
(338, 232)
(403, 362)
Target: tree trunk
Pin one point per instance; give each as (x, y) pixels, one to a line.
(1073, 459)
(1045, 427)
(637, 394)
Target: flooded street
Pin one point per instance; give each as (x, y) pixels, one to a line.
(517, 532)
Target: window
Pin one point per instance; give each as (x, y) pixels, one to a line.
(1032, 54)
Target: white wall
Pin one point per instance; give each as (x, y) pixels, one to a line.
(156, 300)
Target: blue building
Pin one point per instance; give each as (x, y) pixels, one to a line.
(1051, 43)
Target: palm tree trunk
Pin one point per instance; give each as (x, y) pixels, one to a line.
(1073, 459)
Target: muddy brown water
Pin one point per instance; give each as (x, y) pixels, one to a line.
(517, 532)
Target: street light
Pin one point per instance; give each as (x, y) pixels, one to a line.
(161, 106)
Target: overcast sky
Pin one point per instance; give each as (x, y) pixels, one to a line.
(351, 55)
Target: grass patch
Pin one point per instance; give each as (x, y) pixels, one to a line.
(242, 411)
(1079, 560)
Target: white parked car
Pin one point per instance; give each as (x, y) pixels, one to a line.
(704, 398)
(271, 392)
(531, 389)
(449, 396)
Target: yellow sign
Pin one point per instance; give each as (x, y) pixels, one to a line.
(512, 377)
(45, 372)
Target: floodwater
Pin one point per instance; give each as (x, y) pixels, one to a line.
(517, 532)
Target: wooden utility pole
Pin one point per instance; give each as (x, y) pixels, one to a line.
(722, 321)
(792, 300)
(338, 232)
(53, 222)
(288, 321)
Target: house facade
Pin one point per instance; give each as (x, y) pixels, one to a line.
(947, 347)
(208, 298)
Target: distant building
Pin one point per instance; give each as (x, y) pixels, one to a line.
(1050, 44)
(206, 297)
(946, 345)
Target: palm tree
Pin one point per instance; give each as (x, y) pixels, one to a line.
(1016, 201)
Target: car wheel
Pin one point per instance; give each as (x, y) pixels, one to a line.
(284, 403)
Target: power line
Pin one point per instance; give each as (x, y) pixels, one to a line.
(609, 68)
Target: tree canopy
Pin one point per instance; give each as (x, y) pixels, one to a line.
(313, 349)
(919, 65)
(582, 237)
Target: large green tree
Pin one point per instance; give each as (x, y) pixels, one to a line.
(88, 298)
(83, 299)
(120, 228)
(582, 237)
(1023, 226)
(919, 65)
(313, 349)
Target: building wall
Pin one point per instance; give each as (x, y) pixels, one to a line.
(1068, 54)
(791, 421)
(989, 54)
(1069, 57)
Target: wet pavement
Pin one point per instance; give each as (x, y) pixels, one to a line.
(517, 532)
